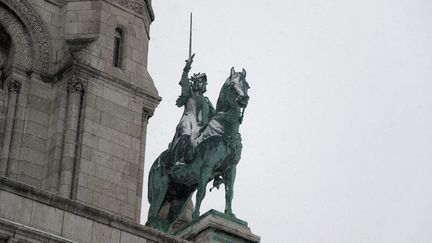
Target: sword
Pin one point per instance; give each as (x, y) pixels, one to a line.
(190, 36)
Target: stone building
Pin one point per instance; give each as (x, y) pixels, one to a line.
(75, 99)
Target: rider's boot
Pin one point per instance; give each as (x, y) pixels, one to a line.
(188, 152)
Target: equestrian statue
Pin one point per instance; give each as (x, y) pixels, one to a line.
(206, 146)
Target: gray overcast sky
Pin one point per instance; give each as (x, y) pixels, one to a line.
(337, 136)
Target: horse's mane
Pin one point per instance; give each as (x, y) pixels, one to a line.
(216, 125)
(222, 95)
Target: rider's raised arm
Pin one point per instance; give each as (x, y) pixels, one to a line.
(184, 83)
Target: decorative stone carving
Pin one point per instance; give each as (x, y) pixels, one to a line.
(38, 31)
(77, 85)
(146, 114)
(14, 86)
(19, 38)
(134, 5)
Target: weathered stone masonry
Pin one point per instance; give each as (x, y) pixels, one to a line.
(28, 214)
(70, 122)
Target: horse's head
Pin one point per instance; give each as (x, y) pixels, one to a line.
(237, 80)
(234, 94)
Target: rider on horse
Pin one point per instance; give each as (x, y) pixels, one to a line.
(207, 146)
(198, 111)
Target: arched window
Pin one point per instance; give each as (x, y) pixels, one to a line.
(118, 47)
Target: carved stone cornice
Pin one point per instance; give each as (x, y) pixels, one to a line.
(151, 99)
(146, 114)
(86, 72)
(14, 86)
(77, 85)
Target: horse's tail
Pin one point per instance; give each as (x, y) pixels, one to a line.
(155, 174)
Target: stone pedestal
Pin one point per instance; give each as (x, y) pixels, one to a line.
(216, 227)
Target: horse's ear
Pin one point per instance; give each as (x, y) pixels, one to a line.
(244, 73)
(232, 72)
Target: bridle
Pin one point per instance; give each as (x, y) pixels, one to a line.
(240, 96)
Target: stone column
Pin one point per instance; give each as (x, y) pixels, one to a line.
(146, 114)
(76, 87)
(58, 137)
(14, 87)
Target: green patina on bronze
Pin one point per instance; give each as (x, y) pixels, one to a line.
(206, 146)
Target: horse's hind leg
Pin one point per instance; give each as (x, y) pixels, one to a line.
(157, 202)
(229, 178)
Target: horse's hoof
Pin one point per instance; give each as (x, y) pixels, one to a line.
(230, 214)
(149, 224)
(195, 215)
(154, 225)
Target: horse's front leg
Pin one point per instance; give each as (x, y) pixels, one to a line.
(201, 191)
(229, 178)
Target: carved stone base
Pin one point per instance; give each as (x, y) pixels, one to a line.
(216, 227)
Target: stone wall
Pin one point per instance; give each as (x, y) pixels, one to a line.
(111, 157)
(70, 122)
(27, 213)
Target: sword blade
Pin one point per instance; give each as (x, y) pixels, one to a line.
(190, 36)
